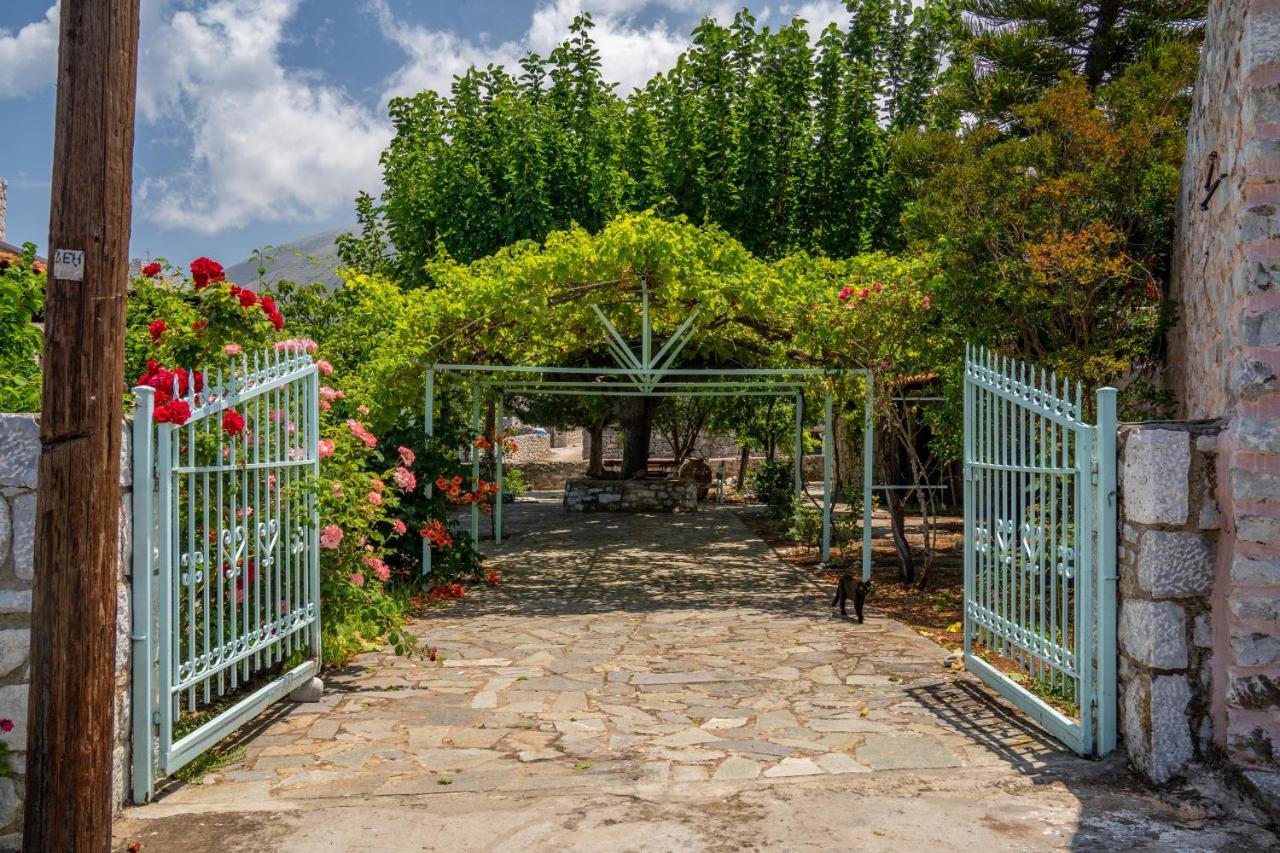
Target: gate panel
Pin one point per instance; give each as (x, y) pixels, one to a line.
(1039, 518)
(226, 575)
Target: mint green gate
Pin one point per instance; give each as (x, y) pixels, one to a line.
(1040, 547)
(226, 570)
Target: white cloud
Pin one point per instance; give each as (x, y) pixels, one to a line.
(262, 143)
(29, 57)
(267, 145)
(819, 14)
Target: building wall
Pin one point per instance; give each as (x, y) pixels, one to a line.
(1225, 358)
(19, 452)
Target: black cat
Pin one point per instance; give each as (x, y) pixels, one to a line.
(847, 588)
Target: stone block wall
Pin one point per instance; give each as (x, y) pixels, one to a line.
(1168, 544)
(19, 453)
(1224, 357)
(630, 495)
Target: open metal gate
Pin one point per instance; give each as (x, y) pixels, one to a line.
(1040, 547)
(226, 569)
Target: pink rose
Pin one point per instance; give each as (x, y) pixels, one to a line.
(405, 479)
(399, 527)
(357, 579)
(326, 448)
(331, 537)
(406, 456)
(232, 349)
(325, 367)
(375, 498)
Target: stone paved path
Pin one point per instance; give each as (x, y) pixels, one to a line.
(670, 676)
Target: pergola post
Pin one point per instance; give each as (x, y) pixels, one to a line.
(828, 440)
(799, 445)
(428, 429)
(868, 455)
(497, 471)
(475, 462)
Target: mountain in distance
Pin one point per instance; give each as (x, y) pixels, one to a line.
(308, 259)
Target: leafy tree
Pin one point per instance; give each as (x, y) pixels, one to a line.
(782, 144)
(1056, 243)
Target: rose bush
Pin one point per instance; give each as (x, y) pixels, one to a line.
(188, 330)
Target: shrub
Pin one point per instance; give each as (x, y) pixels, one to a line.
(772, 483)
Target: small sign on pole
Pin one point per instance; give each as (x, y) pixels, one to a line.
(68, 265)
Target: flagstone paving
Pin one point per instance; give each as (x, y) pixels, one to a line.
(634, 655)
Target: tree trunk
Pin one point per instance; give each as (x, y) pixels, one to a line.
(898, 524)
(635, 416)
(595, 464)
(743, 461)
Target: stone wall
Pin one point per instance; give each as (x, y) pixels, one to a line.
(630, 495)
(531, 447)
(708, 446)
(19, 452)
(1168, 542)
(1225, 357)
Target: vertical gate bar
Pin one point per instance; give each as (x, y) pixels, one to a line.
(1002, 491)
(1084, 583)
(868, 457)
(827, 443)
(206, 574)
(982, 400)
(1025, 528)
(1106, 508)
(1054, 526)
(799, 446)
(164, 567)
(142, 706)
(278, 430)
(252, 517)
(968, 502)
(498, 441)
(428, 431)
(189, 503)
(224, 642)
(981, 440)
(1043, 530)
(284, 489)
(1069, 557)
(312, 414)
(475, 462)
(265, 513)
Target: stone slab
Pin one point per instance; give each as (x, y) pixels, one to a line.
(1154, 477)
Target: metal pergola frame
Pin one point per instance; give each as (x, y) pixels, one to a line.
(646, 374)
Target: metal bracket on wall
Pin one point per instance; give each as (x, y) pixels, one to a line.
(1210, 182)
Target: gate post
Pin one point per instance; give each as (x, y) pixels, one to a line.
(142, 705)
(799, 444)
(429, 428)
(868, 470)
(1108, 578)
(828, 442)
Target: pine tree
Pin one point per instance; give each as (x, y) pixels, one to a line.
(1016, 49)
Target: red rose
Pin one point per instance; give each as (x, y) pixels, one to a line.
(205, 271)
(157, 330)
(277, 320)
(248, 298)
(175, 412)
(199, 325)
(152, 269)
(268, 305)
(232, 422)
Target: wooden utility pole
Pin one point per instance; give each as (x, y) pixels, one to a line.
(73, 625)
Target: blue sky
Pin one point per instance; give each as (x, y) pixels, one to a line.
(259, 120)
